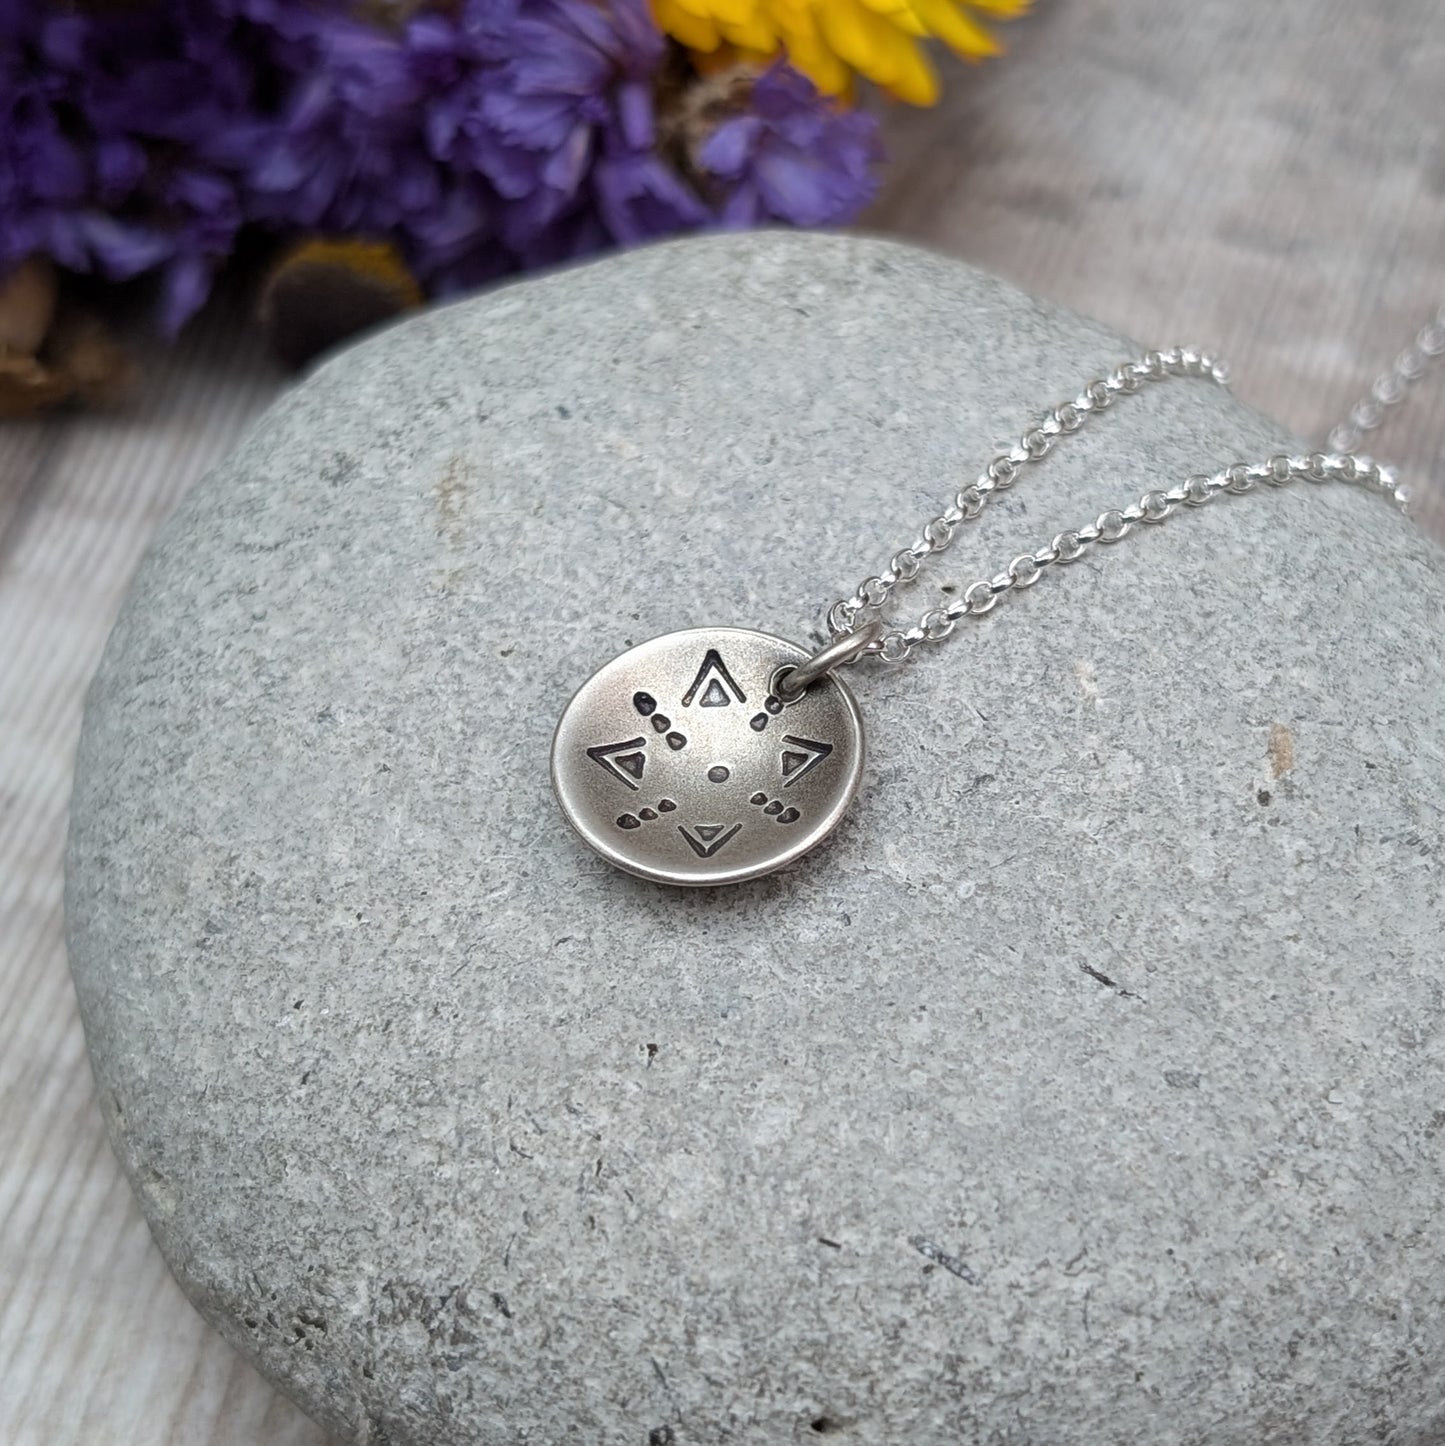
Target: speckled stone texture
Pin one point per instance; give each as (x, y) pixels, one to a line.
(1084, 1090)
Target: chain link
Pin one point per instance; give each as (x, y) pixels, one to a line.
(1391, 387)
(1340, 464)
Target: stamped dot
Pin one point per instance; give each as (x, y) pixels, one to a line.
(629, 820)
(666, 805)
(645, 703)
(789, 815)
(660, 723)
(676, 741)
(774, 807)
(759, 799)
(647, 814)
(719, 773)
(758, 722)
(773, 704)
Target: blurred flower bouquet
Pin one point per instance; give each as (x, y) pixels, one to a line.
(410, 149)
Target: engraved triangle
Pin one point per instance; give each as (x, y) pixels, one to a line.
(711, 838)
(625, 761)
(802, 758)
(721, 687)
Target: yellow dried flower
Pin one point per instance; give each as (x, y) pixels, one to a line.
(832, 40)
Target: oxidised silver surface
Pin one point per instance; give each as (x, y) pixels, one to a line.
(678, 761)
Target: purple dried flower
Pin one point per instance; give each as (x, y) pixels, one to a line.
(43, 174)
(105, 125)
(559, 120)
(478, 136)
(346, 151)
(336, 156)
(794, 156)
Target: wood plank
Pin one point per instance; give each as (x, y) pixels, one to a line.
(97, 1343)
(1264, 180)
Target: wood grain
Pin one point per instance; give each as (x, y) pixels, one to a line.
(1265, 179)
(97, 1343)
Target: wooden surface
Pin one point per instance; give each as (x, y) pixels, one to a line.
(1268, 179)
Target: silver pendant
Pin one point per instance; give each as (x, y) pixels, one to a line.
(688, 760)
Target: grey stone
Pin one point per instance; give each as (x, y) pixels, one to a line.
(1085, 1089)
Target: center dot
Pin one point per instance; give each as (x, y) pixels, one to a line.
(718, 773)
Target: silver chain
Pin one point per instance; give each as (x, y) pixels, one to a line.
(1391, 387)
(853, 615)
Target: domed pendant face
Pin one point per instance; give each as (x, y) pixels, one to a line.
(680, 762)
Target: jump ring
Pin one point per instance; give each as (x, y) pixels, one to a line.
(793, 681)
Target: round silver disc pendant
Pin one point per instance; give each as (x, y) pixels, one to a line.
(678, 761)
